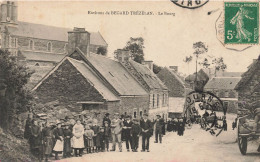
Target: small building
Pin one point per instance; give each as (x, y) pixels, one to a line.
(178, 88)
(158, 92)
(224, 88)
(91, 82)
(248, 88)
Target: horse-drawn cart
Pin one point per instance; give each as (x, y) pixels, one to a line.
(246, 132)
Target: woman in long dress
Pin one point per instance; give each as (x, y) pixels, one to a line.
(77, 139)
(238, 20)
(59, 136)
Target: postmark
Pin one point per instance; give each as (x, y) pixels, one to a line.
(241, 22)
(190, 4)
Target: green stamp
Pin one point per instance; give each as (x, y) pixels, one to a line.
(241, 22)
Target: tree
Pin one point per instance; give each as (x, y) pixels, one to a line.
(156, 69)
(102, 51)
(16, 97)
(135, 46)
(219, 64)
(199, 49)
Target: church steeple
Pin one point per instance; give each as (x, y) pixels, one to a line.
(8, 13)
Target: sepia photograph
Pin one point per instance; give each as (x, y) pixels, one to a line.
(129, 81)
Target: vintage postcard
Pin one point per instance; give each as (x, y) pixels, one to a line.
(129, 81)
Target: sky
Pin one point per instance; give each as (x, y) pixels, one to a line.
(168, 39)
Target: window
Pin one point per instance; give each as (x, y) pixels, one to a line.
(135, 114)
(31, 45)
(153, 99)
(141, 113)
(226, 94)
(158, 96)
(225, 104)
(49, 47)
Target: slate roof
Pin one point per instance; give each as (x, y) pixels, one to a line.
(178, 77)
(40, 31)
(86, 71)
(117, 76)
(227, 83)
(249, 73)
(40, 56)
(148, 76)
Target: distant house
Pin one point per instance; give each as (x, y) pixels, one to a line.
(95, 83)
(158, 92)
(224, 88)
(178, 88)
(248, 87)
(202, 79)
(175, 83)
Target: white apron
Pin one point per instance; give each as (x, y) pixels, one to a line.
(77, 139)
(58, 146)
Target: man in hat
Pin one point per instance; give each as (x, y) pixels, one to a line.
(135, 132)
(106, 118)
(116, 130)
(127, 127)
(147, 130)
(158, 128)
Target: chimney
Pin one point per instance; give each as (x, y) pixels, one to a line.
(80, 38)
(174, 68)
(123, 55)
(148, 64)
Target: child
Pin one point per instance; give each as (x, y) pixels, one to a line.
(100, 136)
(89, 134)
(95, 128)
(107, 133)
(135, 132)
(67, 141)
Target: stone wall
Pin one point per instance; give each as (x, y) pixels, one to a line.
(130, 105)
(248, 94)
(67, 86)
(41, 45)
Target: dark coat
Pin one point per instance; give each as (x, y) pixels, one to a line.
(127, 131)
(108, 120)
(146, 126)
(135, 130)
(107, 131)
(67, 144)
(27, 129)
(35, 139)
(47, 138)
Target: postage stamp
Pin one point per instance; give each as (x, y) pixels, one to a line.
(241, 23)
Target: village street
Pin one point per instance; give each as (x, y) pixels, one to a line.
(196, 145)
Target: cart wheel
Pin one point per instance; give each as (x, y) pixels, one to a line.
(242, 143)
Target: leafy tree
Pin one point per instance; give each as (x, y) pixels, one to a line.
(199, 49)
(102, 51)
(219, 64)
(16, 98)
(156, 68)
(135, 46)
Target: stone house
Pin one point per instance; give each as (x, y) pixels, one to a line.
(224, 88)
(178, 88)
(41, 47)
(158, 92)
(248, 88)
(91, 82)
